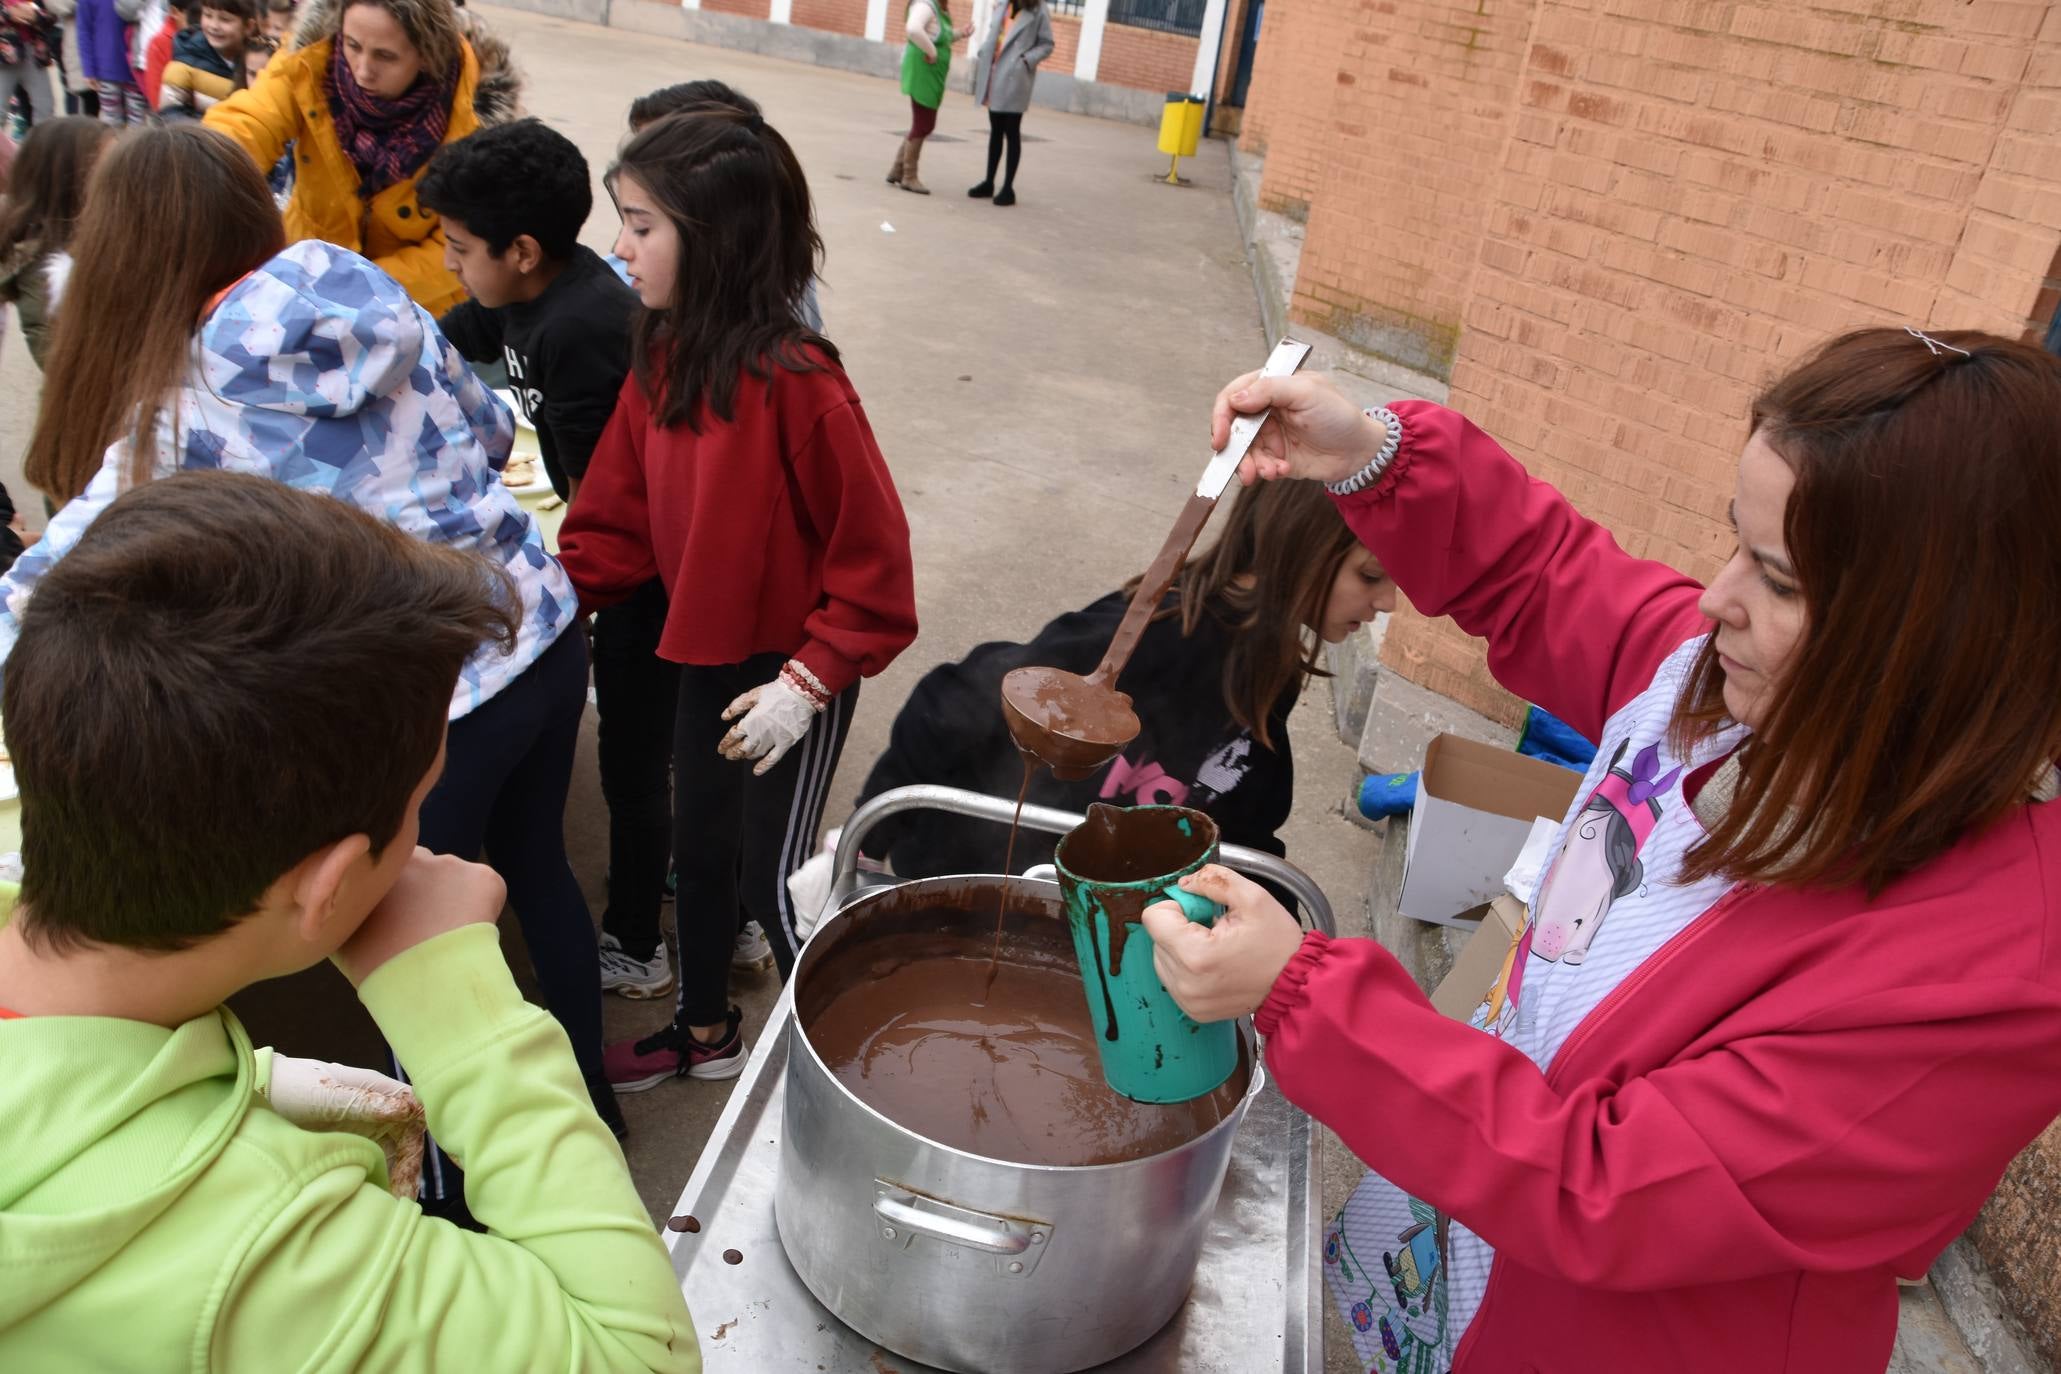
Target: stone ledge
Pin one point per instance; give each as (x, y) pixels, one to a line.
(1402, 718)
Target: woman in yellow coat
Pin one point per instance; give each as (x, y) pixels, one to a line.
(381, 86)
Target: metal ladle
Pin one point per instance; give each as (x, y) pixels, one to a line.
(1075, 724)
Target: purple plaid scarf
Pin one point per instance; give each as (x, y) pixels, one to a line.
(386, 140)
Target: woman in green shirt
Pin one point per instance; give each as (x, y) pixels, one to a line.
(926, 62)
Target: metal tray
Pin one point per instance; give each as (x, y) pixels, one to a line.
(1256, 1303)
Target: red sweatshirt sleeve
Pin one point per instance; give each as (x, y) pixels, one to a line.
(1573, 622)
(605, 543)
(1865, 1135)
(868, 612)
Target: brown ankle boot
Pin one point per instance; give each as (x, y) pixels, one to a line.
(909, 160)
(894, 173)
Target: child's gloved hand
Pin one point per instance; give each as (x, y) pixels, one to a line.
(1226, 968)
(338, 1097)
(776, 716)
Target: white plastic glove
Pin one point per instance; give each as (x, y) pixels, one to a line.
(338, 1097)
(776, 716)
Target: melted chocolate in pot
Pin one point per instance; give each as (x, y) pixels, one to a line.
(1017, 1079)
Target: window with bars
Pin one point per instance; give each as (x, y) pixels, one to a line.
(1167, 16)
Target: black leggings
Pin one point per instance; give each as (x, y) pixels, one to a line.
(507, 767)
(1005, 129)
(636, 694)
(738, 836)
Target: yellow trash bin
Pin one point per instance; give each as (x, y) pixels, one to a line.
(1180, 131)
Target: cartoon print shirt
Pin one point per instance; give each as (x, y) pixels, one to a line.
(318, 371)
(1607, 903)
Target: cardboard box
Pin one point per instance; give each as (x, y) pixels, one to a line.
(1475, 805)
(1481, 962)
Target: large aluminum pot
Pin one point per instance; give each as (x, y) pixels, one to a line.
(973, 1264)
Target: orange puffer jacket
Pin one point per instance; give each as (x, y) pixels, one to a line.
(287, 105)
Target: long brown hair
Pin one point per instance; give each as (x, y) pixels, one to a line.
(124, 337)
(1924, 699)
(1266, 579)
(46, 187)
(748, 246)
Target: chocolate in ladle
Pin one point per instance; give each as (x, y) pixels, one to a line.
(1075, 724)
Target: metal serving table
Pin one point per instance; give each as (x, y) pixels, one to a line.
(1256, 1303)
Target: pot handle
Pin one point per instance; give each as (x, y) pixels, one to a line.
(964, 1228)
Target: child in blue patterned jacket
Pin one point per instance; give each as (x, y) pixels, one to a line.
(312, 366)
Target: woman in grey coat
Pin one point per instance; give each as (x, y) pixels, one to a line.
(1017, 38)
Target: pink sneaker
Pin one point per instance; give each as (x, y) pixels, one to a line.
(635, 1065)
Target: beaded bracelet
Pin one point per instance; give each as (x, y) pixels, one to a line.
(805, 682)
(1378, 464)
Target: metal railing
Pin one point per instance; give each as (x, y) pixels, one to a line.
(931, 797)
(1167, 16)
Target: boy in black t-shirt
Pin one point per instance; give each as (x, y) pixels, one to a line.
(512, 200)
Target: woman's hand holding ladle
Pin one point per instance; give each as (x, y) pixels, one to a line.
(1314, 432)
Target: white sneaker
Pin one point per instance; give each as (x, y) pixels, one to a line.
(640, 978)
(751, 952)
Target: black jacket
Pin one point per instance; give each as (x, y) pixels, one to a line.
(1191, 752)
(567, 353)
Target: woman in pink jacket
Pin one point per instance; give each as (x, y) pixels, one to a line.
(1709, 1132)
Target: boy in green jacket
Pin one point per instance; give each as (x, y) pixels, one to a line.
(224, 710)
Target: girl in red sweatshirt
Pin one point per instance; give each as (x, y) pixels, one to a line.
(739, 469)
(1790, 998)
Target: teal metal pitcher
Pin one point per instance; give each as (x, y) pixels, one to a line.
(1111, 867)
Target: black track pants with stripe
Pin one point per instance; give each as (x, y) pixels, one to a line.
(736, 836)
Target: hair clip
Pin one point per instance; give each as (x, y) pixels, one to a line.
(1935, 346)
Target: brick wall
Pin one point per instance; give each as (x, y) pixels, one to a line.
(2016, 1238)
(1302, 53)
(1694, 193)
(2007, 257)
(750, 9)
(839, 16)
(1146, 59)
(1420, 103)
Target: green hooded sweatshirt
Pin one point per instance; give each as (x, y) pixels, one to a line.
(157, 1214)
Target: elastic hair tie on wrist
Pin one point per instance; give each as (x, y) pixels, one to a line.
(1378, 464)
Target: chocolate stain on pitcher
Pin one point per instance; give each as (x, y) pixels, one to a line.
(1115, 845)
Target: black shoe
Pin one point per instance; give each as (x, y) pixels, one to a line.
(1005, 196)
(982, 191)
(608, 1109)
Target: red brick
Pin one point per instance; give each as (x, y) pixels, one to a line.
(1634, 213)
